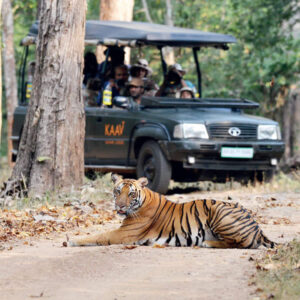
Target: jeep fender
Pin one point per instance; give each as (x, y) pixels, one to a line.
(149, 131)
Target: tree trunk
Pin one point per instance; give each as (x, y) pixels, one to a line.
(0, 78)
(295, 97)
(291, 129)
(115, 10)
(9, 71)
(38, 9)
(51, 155)
(287, 128)
(169, 51)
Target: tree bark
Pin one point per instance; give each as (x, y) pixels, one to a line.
(11, 89)
(0, 77)
(38, 9)
(291, 129)
(51, 152)
(115, 10)
(169, 51)
(287, 128)
(295, 97)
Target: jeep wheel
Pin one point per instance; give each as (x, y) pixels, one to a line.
(153, 165)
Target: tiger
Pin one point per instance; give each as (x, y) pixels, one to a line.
(151, 219)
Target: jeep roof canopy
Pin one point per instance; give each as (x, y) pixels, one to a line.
(139, 33)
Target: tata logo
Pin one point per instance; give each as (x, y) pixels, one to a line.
(234, 131)
(116, 130)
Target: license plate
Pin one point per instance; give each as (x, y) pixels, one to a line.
(231, 152)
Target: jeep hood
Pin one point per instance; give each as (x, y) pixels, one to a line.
(207, 116)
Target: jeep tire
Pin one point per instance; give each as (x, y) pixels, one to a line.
(153, 165)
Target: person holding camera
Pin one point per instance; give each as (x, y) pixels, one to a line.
(173, 82)
(116, 86)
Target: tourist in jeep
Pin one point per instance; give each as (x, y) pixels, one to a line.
(142, 70)
(173, 82)
(115, 86)
(187, 93)
(116, 56)
(136, 90)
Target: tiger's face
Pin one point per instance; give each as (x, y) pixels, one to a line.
(128, 194)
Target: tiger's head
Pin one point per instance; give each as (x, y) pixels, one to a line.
(128, 194)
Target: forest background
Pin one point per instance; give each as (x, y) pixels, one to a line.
(264, 65)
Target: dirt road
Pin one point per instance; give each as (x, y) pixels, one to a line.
(47, 270)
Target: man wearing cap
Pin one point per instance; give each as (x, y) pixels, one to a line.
(173, 82)
(142, 70)
(136, 90)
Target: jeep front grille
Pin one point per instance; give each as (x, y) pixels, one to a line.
(221, 131)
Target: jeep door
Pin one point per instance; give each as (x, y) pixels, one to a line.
(108, 133)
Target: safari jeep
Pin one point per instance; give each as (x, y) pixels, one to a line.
(170, 138)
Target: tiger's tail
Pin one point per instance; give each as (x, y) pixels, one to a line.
(83, 241)
(266, 242)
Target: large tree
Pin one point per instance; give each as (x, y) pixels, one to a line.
(51, 155)
(0, 79)
(9, 70)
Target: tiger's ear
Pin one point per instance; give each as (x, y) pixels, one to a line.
(115, 178)
(143, 181)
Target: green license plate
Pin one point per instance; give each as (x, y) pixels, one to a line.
(236, 152)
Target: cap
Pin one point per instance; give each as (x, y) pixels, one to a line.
(188, 89)
(142, 64)
(177, 67)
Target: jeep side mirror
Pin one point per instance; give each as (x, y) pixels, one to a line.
(121, 101)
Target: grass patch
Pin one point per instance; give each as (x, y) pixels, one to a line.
(99, 189)
(278, 275)
(96, 191)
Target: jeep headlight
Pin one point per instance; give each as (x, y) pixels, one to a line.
(268, 132)
(190, 131)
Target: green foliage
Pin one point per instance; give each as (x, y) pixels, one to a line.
(267, 57)
(24, 13)
(92, 9)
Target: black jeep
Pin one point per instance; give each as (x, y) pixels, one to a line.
(170, 138)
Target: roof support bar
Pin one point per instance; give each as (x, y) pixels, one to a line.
(195, 52)
(163, 62)
(103, 65)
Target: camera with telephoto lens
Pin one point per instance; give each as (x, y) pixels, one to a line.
(173, 78)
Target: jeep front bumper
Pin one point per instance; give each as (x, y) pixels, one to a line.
(207, 154)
